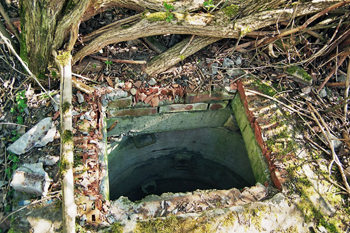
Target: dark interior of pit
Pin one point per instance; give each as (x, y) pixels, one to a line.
(178, 161)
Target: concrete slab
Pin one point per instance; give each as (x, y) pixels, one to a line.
(167, 122)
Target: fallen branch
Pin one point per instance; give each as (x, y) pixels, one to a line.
(118, 60)
(196, 24)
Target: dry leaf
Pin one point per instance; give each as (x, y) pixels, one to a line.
(233, 86)
(109, 81)
(142, 96)
(127, 86)
(148, 99)
(155, 101)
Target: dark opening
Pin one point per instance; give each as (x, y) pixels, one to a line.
(178, 161)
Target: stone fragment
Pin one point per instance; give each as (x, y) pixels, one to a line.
(227, 63)
(49, 160)
(238, 61)
(234, 72)
(55, 105)
(133, 91)
(214, 68)
(138, 84)
(152, 82)
(323, 93)
(117, 94)
(300, 75)
(38, 136)
(306, 90)
(32, 179)
(80, 97)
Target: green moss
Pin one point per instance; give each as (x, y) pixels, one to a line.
(264, 88)
(67, 136)
(65, 107)
(175, 224)
(231, 10)
(116, 228)
(299, 72)
(63, 58)
(157, 16)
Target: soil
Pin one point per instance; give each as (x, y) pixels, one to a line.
(196, 73)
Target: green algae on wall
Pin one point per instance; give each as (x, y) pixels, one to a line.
(257, 160)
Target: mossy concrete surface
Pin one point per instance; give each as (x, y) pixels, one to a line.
(257, 160)
(168, 122)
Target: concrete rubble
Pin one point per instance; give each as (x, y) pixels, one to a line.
(182, 203)
(38, 136)
(32, 179)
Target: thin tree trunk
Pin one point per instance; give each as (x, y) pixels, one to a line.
(66, 160)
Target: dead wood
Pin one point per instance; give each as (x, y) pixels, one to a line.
(204, 25)
(172, 56)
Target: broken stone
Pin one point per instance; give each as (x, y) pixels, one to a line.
(38, 136)
(300, 75)
(152, 82)
(133, 91)
(334, 140)
(214, 68)
(234, 72)
(323, 93)
(117, 95)
(306, 90)
(227, 63)
(238, 61)
(32, 179)
(49, 160)
(80, 97)
(57, 99)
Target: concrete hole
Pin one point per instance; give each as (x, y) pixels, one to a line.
(180, 152)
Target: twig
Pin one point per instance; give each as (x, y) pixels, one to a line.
(88, 79)
(8, 21)
(310, 20)
(276, 100)
(335, 158)
(341, 60)
(118, 60)
(10, 123)
(8, 43)
(346, 94)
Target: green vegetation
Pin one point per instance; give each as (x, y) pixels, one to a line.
(175, 224)
(108, 63)
(21, 102)
(208, 5)
(299, 72)
(67, 136)
(65, 107)
(12, 164)
(169, 8)
(231, 10)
